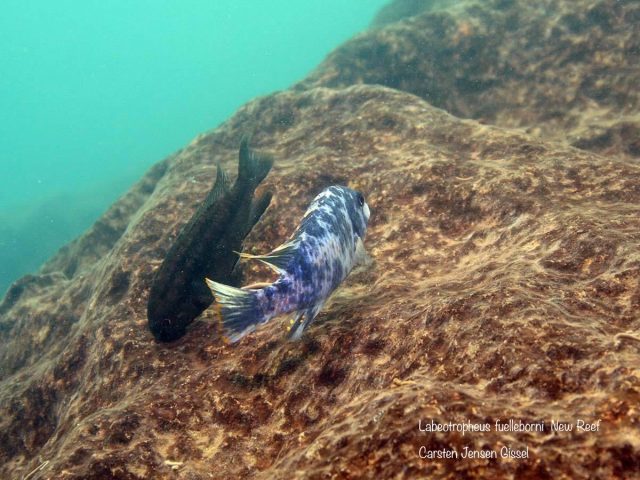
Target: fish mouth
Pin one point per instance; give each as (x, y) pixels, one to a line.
(367, 212)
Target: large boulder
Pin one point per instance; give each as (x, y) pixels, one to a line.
(563, 70)
(505, 285)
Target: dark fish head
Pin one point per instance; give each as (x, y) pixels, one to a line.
(357, 209)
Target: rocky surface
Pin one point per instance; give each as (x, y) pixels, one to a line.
(562, 70)
(506, 285)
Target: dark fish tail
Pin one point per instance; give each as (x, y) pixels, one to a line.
(253, 167)
(239, 309)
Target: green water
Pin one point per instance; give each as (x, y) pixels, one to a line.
(92, 93)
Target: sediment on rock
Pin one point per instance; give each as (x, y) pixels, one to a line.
(506, 275)
(505, 281)
(563, 71)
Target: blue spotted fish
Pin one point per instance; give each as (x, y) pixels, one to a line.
(318, 256)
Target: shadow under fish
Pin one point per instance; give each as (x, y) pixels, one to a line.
(206, 247)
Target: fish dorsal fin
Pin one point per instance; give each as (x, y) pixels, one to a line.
(221, 186)
(278, 259)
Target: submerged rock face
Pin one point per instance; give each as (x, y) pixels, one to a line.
(563, 70)
(506, 270)
(506, 285)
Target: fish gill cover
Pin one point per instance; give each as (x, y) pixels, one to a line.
(505, 290)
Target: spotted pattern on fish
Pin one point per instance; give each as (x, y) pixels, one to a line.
(316, 259)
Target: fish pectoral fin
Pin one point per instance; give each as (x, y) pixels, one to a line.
(278, 259)
(362, 257)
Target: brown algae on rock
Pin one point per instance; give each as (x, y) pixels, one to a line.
(506, 287)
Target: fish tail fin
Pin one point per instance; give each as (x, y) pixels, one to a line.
(253, 166)
(238, 309)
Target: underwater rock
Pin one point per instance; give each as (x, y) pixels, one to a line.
(506, 283)
(206, 246)
(401, 9)
(565, 70)
(506, 286)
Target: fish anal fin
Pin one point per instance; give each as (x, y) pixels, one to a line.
(296, 329)
(294, 322)
(258, 208)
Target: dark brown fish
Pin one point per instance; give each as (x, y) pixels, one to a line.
(206, 247)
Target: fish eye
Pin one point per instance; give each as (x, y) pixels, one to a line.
(360, 200)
